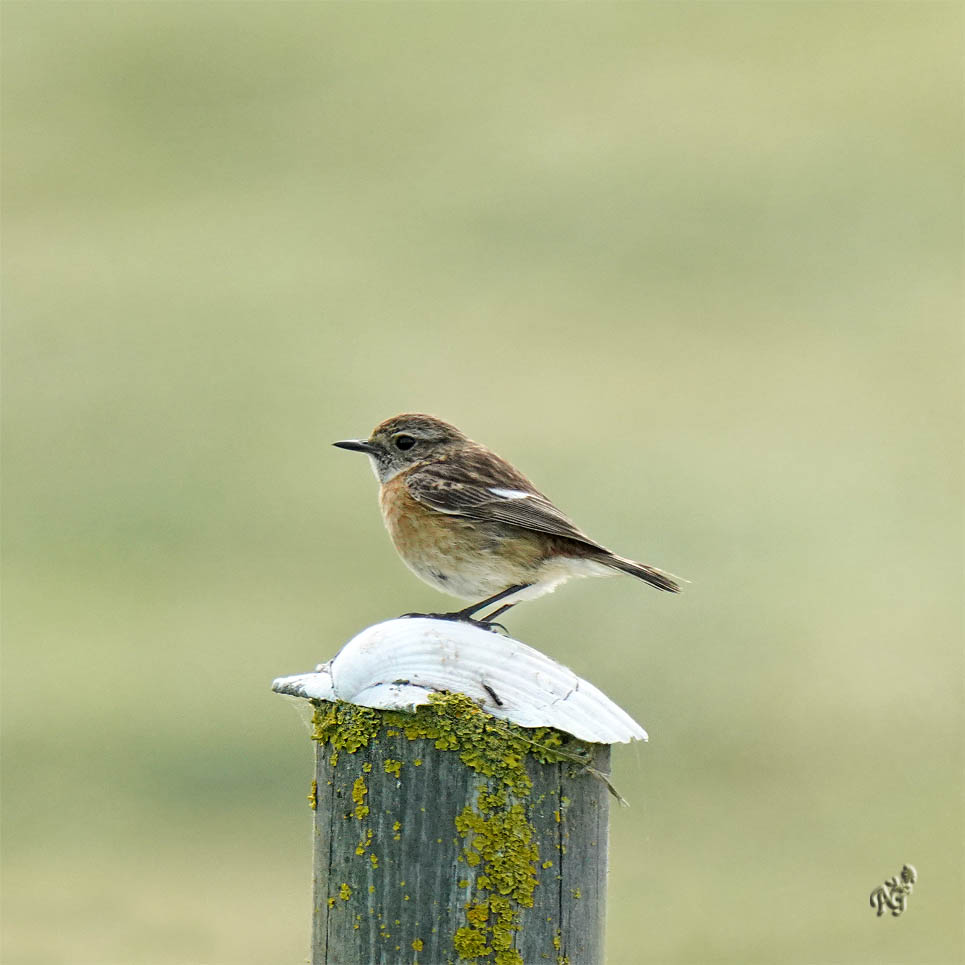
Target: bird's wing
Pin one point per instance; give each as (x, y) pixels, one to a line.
(486, 488)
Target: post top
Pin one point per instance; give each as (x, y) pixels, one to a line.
(395, 665)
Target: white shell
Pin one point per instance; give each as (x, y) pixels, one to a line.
(396, 665)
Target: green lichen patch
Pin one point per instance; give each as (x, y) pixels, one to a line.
(502, 842)
(359, 791)
(470, 943)
(494, 748)
(393, 767)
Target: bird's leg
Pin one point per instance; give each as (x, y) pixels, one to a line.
(492, 616)
(466, 614)
(488, 622)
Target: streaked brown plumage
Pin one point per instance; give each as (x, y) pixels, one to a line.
(471, 524)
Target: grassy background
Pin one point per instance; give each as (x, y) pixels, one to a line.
(694, 267)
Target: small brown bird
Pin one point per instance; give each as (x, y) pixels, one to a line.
(470, 524)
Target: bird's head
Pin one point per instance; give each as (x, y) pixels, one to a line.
(403, 441)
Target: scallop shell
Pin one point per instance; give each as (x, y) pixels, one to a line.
(396, 665)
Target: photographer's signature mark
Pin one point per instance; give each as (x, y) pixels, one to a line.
(894, 893)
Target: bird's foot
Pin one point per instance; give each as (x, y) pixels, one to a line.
(429, 616)
(461, 617)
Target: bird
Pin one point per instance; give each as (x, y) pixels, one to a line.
(469, 523)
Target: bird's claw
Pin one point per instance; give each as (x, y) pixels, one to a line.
(460, 617)
(492, 626)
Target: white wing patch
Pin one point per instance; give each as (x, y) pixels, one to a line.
(509, 493)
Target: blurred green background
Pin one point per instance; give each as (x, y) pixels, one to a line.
(694, 267)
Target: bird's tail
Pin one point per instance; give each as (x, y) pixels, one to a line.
(649, 574)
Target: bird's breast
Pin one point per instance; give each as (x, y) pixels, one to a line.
(467, 558)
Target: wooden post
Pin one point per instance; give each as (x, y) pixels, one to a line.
(447, 835)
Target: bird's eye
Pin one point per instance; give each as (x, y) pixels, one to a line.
(404, 442)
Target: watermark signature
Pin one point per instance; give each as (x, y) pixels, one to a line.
(894, 893)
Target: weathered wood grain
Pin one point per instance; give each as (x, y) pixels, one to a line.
(448, 836)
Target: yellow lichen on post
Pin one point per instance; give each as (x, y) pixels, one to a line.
(479, 771)
(359, 790)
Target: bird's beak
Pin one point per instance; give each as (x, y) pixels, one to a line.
(357, 445)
